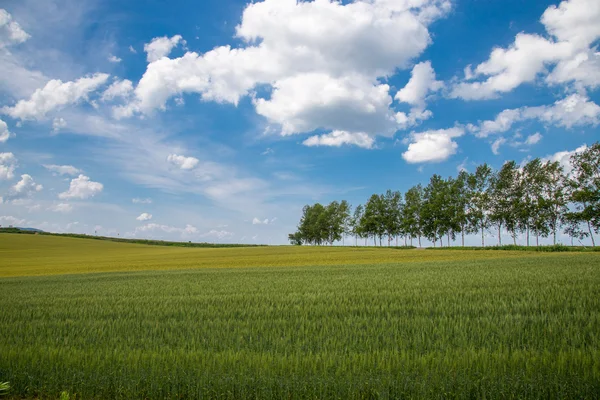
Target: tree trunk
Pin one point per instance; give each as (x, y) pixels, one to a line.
(554, 234)
(396, 241)
(405, 244)
(441, 240)
(591, 234)
(463, 236)
(419, 240)
(499, 235)
(514, 235)
(527, 230)
(482, 237)
(537, 239)
(448, 239)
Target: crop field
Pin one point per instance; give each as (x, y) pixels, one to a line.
(104, 320)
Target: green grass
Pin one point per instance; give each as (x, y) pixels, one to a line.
(407, 324)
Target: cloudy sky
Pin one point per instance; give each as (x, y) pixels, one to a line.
(218, 120)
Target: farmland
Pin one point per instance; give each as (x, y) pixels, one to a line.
(113, 320)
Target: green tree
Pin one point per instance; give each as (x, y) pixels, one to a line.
(411, 213)
(584, 183)
(505, 200)
(479, 188)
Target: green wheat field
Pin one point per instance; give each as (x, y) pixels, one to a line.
(105, 320)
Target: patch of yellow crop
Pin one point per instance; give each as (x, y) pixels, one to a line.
(30, 255)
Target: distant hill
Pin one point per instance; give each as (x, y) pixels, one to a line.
(30, 229)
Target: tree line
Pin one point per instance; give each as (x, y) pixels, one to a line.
(537, 199)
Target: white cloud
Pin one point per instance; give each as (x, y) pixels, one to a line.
(144, 217)
(63, 169)
(432, 145)
(574, 110)
(61, 208)
(564, 158)
(9, 219)
(414, 117)
(222, 234)
(8, 164)
(160, 47)
(23, 189)
(573, 26)
(138, 200)
(574, 21)
(58, 124)
(114, 59)
(4, 133)
(82, 188)
(496, 145)
(121, 88)
(34, 208)
(421, 83)
(509, 68)
(183, 162)
(306, 102)
(11, 32)
(132, 49)
(339, 138)
(189, 230)
(55, 95)
(265, 221)
(533, 139)
(325, 58)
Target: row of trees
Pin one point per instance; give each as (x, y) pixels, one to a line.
(537, 199)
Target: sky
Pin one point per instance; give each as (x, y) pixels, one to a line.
(217, 120)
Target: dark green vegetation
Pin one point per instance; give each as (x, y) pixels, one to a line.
(432, 324)
(537, 200)
(121, 240)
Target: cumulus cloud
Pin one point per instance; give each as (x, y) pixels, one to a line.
(160, 47)
(55, 94)
(4, 133)
(62, 169)
(9, 219)
(533, 139)
(339, 138)
(572, 27)
(323, 74)
(11, 32)
(8, 164)
(222, 234)
(144, 217)
(118, 89)
(421, 83)
(432, 145)
(82, 188)
(188, 230)
(138, 200)
(182, 162)
(58, 124)
(564, 158)
(574, 110)
(265, 221)
(114, 59)
(23, 189)
(64, 208)
(496, 145)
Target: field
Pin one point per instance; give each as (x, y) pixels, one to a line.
(104, 320)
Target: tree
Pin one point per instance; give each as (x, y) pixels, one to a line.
(505, 200)
(392, 208)
(479, 188)
(584, 183)
(373, 218)
(434, 213)
(460, 203)
(411, 213)
(554, 197)
(295, 238)
(355, 223)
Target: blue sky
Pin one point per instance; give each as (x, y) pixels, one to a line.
(218, 120)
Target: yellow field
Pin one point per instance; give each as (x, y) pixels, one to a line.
(30, 255)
